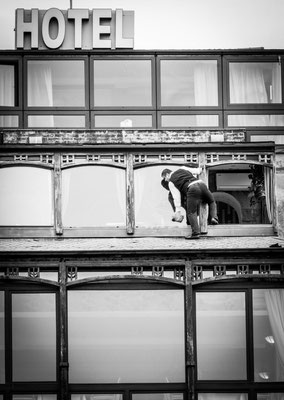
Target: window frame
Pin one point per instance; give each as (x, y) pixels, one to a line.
(249, 386)
(227, 59)
(17, 62)
(217, 58)
(120, 57)
(62, 57)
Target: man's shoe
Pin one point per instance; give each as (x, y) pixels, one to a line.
(193, 236)
(203, 233)
(214, 221)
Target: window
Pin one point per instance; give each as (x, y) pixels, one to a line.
(7, 85)
(26, 196)
(9, 121)
(56, 121)
(152, 207)
(255, 82)
(93, 196)
(56, 83)
(122, 83)
(255, 120)
(189, 83)
(111, 331)
(2, 338)
(33, 337)
(123, 121)
(189, 120)
(221, 336)
(268, 309)
(243, 193)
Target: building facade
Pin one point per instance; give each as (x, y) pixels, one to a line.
(101, 296)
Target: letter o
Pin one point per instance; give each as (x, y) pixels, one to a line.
(50, 42)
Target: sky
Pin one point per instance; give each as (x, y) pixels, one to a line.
(177, 24)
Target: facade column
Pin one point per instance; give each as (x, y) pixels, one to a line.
(189, 339)
(63, 357)
(279, 189)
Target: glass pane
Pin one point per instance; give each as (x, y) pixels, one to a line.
(270, 396)
(268, 311)
(53, 83)
(34, 337)
(157, 396)
(56, 121)
(189, 83)
(222, 396)
(2, 339)
(9, 121)
(119, 336)
(152, 207)
(26, 196)
(94, 196)
(255, 83)
(7, 85)
(110, 396)
(123, 121)
(34, 397)
(172, 121)
(256, 120)
(122, 83)
(221, 336)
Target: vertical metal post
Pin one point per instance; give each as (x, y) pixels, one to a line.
(130, 218)
(190, 359)
(63, 358)
(57, 195)
(203, 212)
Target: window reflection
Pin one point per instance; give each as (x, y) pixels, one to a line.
(270, 396)
(9, 121)
(181, 120)
(53, 83)
(157, 396)
(119, 336)
(268, 311)
(2, 339)
(189, 83)
(34, 337)
(256, 120)
(34, 397)
(255, 83)
(56, 121)
(221, 336)
(104, 396)
(122, 83)
(93, 196)
(7, 85)
(123, 121)
(17, 206)
(222, 396)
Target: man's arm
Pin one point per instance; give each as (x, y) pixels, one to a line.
(176, 196)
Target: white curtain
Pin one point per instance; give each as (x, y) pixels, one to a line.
(268, 192)
(274, 299)
(7, 85)
(247, 86)
(40, 91)
(205, 90)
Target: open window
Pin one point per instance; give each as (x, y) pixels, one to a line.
(243, 193)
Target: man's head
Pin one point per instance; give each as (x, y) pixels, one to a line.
(166, 174)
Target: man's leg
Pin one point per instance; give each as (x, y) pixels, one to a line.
(193, 201)
(207, 197)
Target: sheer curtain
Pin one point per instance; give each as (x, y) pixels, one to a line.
(40, 90)
(268, 192)
(7, 85)
(247, 86)
(205, 90)
(274, 299)
(222, 396)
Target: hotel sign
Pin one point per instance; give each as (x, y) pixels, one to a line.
(74, 29)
